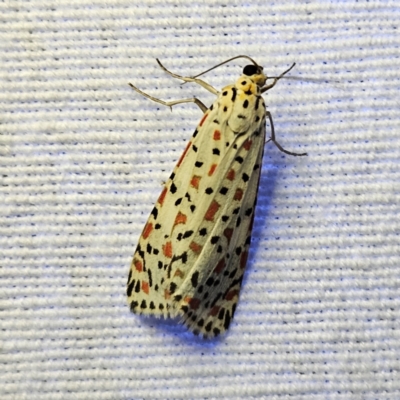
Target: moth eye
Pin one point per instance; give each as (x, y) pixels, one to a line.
(250, 70)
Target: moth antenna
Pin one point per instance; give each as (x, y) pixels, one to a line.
(225, 62)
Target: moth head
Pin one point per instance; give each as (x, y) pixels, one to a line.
(255, 73)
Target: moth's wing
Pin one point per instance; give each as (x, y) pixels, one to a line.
(162, 258)
(175, 243)
(208, 297)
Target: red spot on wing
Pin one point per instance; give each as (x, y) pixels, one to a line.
(243, 259)
(179, 273)
(247, 144)
(145, 287)
(238, 194)
(214, 311)
(231, 294)
(214, 206)
(203, 119)
(231, 175)
(217, 135)
(195, 181)
(184, 154)
(212, 169)
(147, 230)
(180, 219)
(195, 247)
(194, 304)
(167, 249)
(228, 234)
(138, 265)
(220, 266)
(162, 196)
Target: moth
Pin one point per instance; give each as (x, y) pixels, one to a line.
(192, 253)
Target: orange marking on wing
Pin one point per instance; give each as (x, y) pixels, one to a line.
(194, 182)
(243, 259)
(184, 154)
(194, 304)
(212, 169)
(247, 144)
(228, 234)
(231, 175)
(179, 273)
(220, 266)
(180, 219)
(138, 265)
(162, 196)
(147, 230)
(203, 119)
(167, 294)
(214, 311)
(230, 295)
(238, 194)
(145, 287)
(217, 135)
(214, 206)
(196, 248)
(167, 249)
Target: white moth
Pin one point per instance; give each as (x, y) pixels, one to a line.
(191, 256)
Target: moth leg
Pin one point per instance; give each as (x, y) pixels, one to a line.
(205, 85)
(171, 103)
(275, 80)
(275, 142)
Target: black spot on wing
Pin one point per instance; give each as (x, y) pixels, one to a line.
(227, 319)
(234, 91)
(195, 279)
(203, 232)
(214, 239)
(187, 234)
(130, 288)
(137, 287)
(134, 305)
(239, 159)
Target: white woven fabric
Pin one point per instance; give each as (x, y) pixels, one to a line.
(83, 158)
